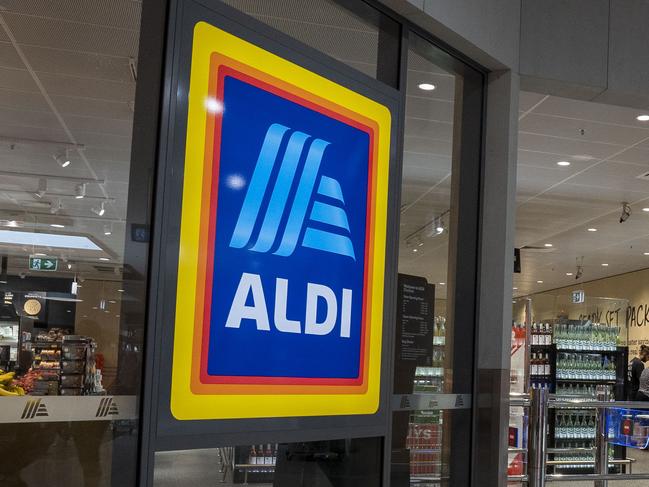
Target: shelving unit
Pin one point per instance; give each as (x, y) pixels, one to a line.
(577, 371)
(47, 362)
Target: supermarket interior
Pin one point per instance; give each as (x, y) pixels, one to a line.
(581, 291)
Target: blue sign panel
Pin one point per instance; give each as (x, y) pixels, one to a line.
(290, 239)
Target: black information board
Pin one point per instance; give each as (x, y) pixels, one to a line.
(415, 322)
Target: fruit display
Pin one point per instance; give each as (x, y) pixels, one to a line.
(61, 365)
(8, 386)
(27, 380)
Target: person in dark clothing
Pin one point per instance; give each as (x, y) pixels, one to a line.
(636, 367)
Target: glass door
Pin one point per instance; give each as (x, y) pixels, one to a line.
(435, 301)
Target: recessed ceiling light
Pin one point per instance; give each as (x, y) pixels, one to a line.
(645, 209)
(427, 86)
(563, 163)
(642, 118)
(547, 245)
(539, 282)
(414, 250)
(646, 253)
(442, 284)
(568, 273)
(120, 290)
(604, 265)
(592, 229)
(57, 225)
(515, 289)
(104, 259)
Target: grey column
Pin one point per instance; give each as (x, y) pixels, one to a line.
(491, 388)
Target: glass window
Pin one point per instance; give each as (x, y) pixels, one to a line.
(324, 25)
(428, 329)
(339, 462)
(72, 302)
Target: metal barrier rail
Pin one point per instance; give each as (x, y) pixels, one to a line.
(540, 404)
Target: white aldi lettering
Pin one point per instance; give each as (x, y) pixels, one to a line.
(250, 289)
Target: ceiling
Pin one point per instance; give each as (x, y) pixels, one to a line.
(66, 82)
(608, 149)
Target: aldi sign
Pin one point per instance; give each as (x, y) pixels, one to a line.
(280, 281)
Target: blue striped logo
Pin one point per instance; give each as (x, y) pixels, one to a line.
(326, 193)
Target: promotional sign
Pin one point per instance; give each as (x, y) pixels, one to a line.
(279, 301)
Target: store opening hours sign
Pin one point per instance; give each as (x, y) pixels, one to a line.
(279, 301)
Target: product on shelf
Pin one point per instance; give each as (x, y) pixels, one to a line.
(575, 424)
(540, 371)
(591, 367)
(8, 386)
(586, 336)
(581, 458)
(439, 329)
(541, 334)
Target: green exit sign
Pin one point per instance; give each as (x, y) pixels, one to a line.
(43, 263)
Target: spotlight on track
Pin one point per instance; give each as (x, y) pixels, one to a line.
(63, 158)
(99, 211)
(626, 212)
(80, 192)
(580, 268)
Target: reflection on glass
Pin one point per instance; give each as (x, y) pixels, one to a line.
(71, 323)
(421, 439)
(332, 463)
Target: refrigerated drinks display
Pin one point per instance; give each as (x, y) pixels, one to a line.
(578, 351)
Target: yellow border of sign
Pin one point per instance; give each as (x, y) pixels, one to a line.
(185, 405)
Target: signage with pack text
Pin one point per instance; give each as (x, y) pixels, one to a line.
(279, 303)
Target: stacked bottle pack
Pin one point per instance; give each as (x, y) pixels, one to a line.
(586, 367)
(541, 334)
(586, 336)
(540, 371)
(581, 391)
(574, 424)
(263, 454)
(582, 460)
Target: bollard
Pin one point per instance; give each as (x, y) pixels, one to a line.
(537, 437)
(601, 439)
